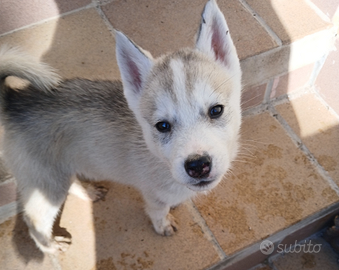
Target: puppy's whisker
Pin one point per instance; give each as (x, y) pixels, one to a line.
(250, 145)
(246, 155)
(249, 149)
(231, 171)
(246, 148)
(225, 81)
(208, 79)
(255, 141)
(241, 161)
(245, 102)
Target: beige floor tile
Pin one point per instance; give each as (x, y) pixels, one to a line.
(162, 26)
(290, 20)
(328, 7)
(19, 13)
(116, 234)
(291, 81)
(325, 259)
(77, 45)
(18, 250)
(318, 129)
(252, 96)
(327, 82)
(271, 187)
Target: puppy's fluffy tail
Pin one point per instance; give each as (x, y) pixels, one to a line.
(14, 62)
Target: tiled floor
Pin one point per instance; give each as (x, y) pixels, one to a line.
(286, 173)
(271, 186)
(316, 254)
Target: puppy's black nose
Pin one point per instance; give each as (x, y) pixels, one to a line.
(198, 166)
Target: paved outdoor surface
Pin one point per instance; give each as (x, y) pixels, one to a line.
(288, 168)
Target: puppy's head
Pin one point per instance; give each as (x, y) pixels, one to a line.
(188, 102)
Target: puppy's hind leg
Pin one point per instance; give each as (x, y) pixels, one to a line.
(39, 215)
(41, 204)
(87, 191)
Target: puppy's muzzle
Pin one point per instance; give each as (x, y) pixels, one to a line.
(198, 166)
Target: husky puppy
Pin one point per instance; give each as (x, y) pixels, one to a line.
(170, 129)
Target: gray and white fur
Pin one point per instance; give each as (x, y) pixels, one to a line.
(170, 129)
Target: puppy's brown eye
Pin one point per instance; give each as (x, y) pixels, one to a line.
(216, 111)
(163, 126)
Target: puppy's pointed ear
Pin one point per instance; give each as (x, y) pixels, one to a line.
(135, 65)
(214, 38)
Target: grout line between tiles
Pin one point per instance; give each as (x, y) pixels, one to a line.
(94, 3)
(255, 110)
(283, 99)
(328, 107)
(268, 90)
(272, 258)
(262, 266)
(207, 232)
(105, 19)
(298, 142)
(232, 261)
(91, 5)
(262, 22)
(102, 2)
(316, 70)
(277, 101)
(318, 11)
(291, 96)
(273, 266)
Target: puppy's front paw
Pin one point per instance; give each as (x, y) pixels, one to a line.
(166, 226)
(62, 243)
(56, 245)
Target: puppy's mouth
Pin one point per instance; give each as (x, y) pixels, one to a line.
(202, 185)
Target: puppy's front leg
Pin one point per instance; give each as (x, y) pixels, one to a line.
(163, 222)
